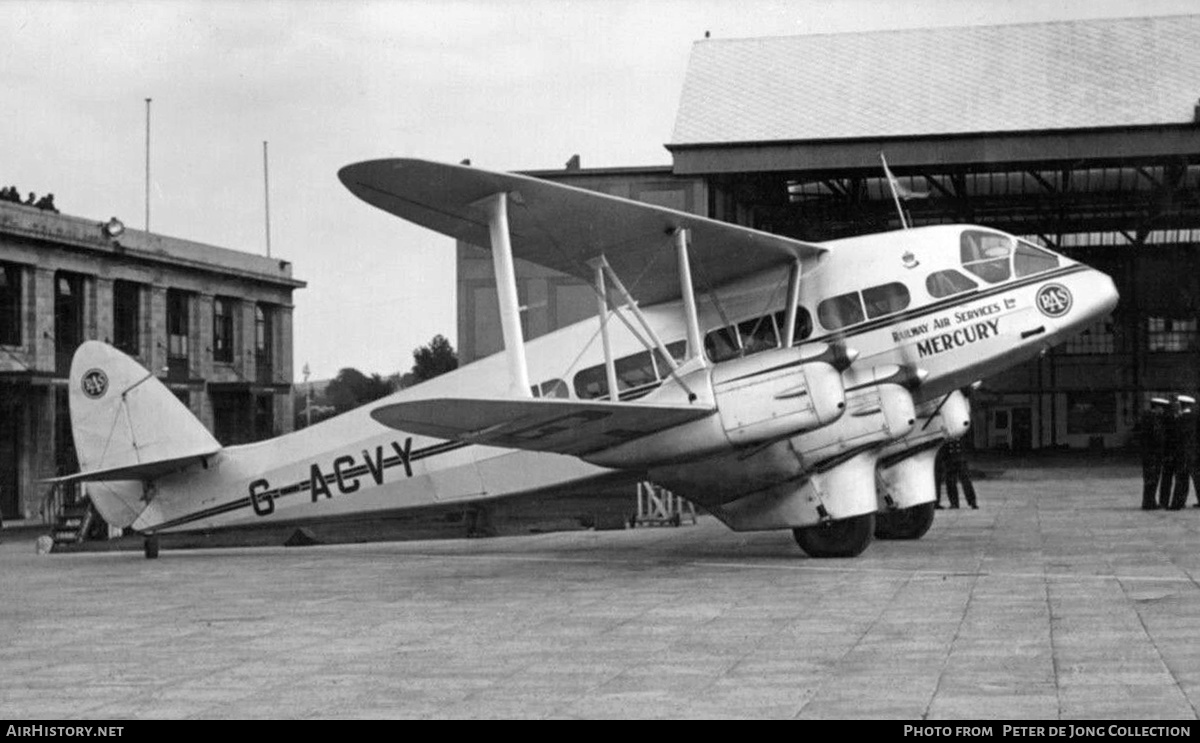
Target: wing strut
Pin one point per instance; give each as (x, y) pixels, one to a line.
(789, 321)
(694, 346)
(610, 367)
(601, 265)
(506, 290)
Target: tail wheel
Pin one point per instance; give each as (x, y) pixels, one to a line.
(904, 523)
(841, 538)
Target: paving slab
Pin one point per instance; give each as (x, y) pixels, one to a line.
(1058, 599)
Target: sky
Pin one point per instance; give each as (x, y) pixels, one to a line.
(510, 84)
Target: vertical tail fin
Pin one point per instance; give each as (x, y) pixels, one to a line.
(128, 427)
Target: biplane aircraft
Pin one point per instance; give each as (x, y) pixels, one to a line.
(779, 384)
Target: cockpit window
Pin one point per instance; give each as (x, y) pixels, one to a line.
(986, 254)
(946, 283)
(1030, 259)
(840, 311)
(886, 299)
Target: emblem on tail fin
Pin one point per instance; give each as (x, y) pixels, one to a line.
(94, 383)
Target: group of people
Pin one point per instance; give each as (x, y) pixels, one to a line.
(952, 470)
(46, 203)
(1169, 456)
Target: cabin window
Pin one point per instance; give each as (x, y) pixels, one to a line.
(637, 374)
(722, 344)
(754, 335)
(948, 283)
(10, 304)
(886, 299)
(758, 334)
(804, 324)
(1029, 259)
(840, 311)
(551, 388)
(986, 255)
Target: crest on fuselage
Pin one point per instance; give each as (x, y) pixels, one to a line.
(94, 383)
(1054, 300)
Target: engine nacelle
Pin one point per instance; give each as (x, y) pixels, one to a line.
(906, 475)
(764, 397)
(876, 413)
(827, 473)
(775, 394)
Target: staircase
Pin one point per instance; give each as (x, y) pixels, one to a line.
(73, 523)
(658, 506)
(73, 515)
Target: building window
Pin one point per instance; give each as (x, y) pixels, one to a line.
(1170, 334)
(10, 304)
(223, 309)
(264, 341)
(262, 333)
(1098, 338)
(127, 309)
(178, 324)
(68, 317)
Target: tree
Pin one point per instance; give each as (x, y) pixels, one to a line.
(431, 360)
(351, 388)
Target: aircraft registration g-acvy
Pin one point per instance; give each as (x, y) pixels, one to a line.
(778, 384)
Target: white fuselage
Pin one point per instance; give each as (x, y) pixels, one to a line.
(352, 465)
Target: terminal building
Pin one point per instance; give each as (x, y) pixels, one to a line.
(214, 324)
(1083, 136)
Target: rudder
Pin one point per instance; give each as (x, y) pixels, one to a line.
(127, 423)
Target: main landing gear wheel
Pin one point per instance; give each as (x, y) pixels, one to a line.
(904, 523)
(841, 538)
(150, 547)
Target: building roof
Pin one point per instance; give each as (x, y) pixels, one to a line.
(29, 222)
(1043, 76)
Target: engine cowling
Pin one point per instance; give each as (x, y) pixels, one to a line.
(775, 394)
(906, 466)
(761, 398)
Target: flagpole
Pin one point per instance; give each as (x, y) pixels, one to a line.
(147, 165)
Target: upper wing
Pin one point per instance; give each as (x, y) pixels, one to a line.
(550, 425)
(562, 227)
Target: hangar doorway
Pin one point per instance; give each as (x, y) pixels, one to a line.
(1011, 428)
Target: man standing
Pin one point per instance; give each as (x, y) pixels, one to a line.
(1153, 440)
(956, 471)
(1170, 453)
(1185, 453)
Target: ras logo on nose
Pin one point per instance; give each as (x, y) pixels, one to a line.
(94, 383)
(1054, 300)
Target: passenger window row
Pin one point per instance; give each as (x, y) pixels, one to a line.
(844, 310)
(637, 374)
(754, 335)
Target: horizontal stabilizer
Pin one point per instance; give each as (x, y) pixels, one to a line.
(142, 471)
(547, 425)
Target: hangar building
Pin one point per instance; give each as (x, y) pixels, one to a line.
(1083, 136)
(214, 324)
